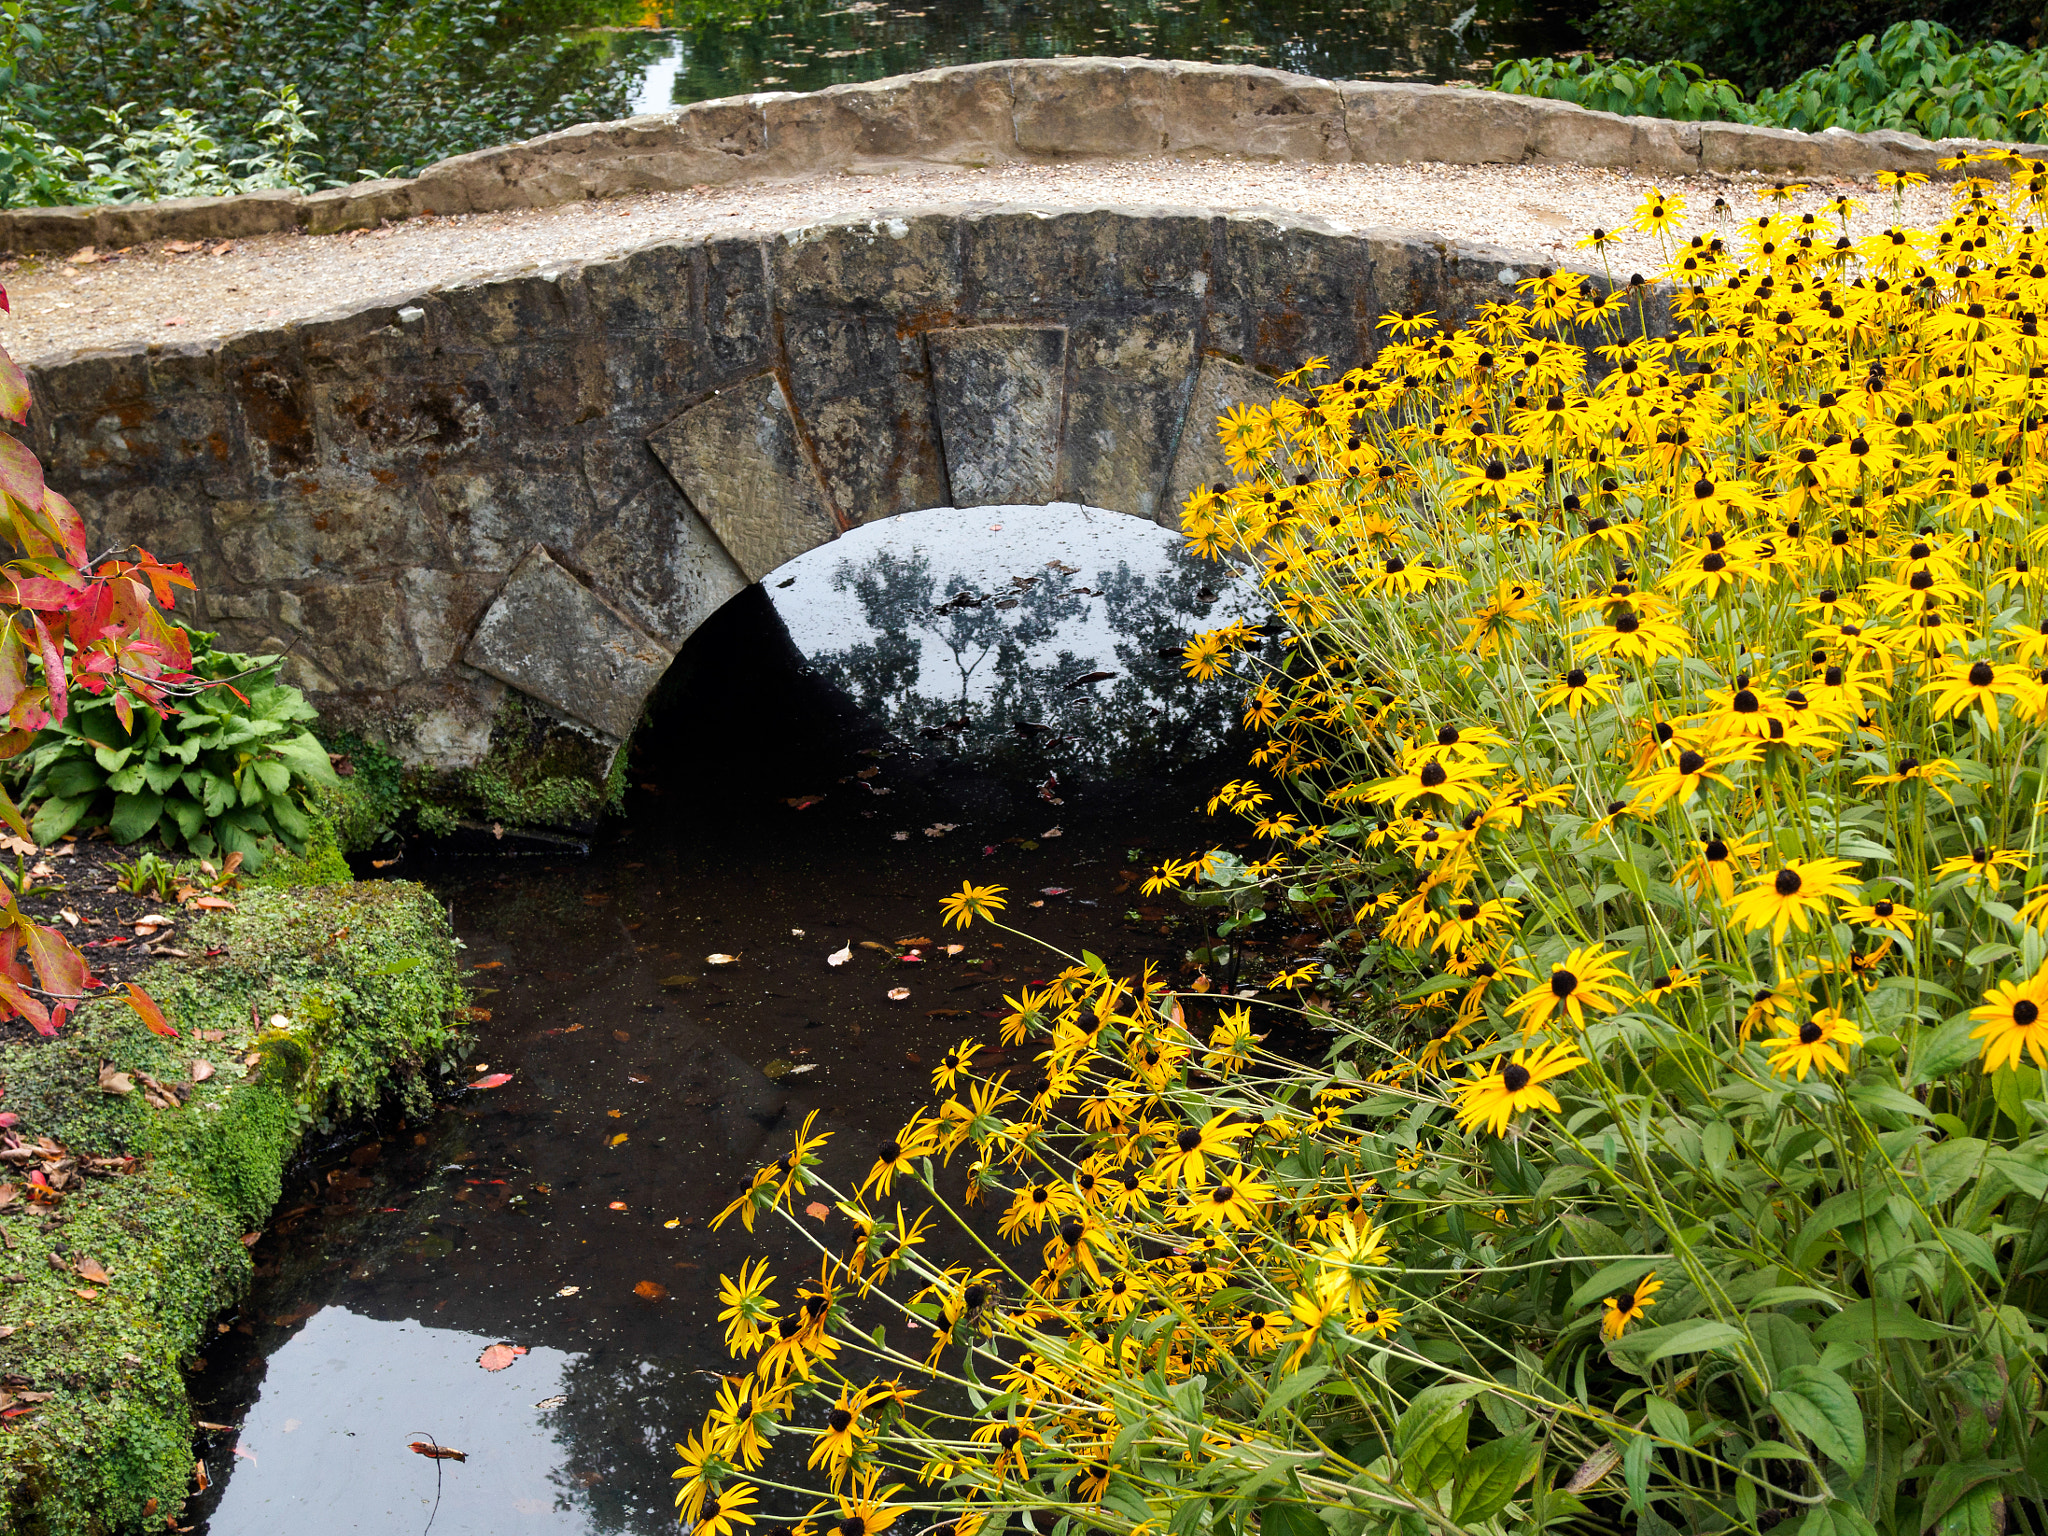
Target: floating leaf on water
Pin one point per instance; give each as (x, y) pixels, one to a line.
(495, 1080)
(901, 837)
(617, 1140)
(1052, 832)
(802, 802)
(679, 981)
(840, 956)
(1055, 890)
(721, 959)
(569, 1290)
(673, 1221)
(817, 1210)
(551, 1402)
(651, 1290)
(954, 949)
(907, 943)
(499, 1356)
(871, 944)
(618, 1205)
(434, 1452)
(801, 1068)
(796, 933)
(898, 994)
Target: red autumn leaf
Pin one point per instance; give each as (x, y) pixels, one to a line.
(817, 1210)
(146, 1009)
(649, 1290)
(438, 1452)
(499, 1356)
(495, 1080)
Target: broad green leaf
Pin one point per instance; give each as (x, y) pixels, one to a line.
(1952, 1481)
(1689, 1338)
(1488, 1477)
(306, 758)
(275, 776)
(1874, 1318)
(1283, 1518)
(1430, 1437)
(58, 815)
(1290, 1388)
(1822, 1407)
(135, 816)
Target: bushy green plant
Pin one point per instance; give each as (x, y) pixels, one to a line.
(1673, 89)
(1919, 77)
(228, 772)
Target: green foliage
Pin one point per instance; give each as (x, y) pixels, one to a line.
(365, 802)
(227, 773)
(1673, 89)
(119, 1431)
(1919, 78)
(148, 875)
(1764, 43)
(321, 864)
(230, 91)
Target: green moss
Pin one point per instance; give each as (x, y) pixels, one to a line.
(371, 798)
(363, 978)
(321, 864)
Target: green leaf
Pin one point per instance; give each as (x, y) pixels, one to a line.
(1823, 1407)
(1489, 1476)
(1285, 1518)
(1941, 1051)
(1689, 1338)
(306, 758)
(135, 816)
(1430, 1437)
(1290, 1388)
(1609, 1279)
(275, 776)
(1952, 1480)
(1875, 1318)
(58, 815)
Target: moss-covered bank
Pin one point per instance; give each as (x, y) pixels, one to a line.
(364, 978)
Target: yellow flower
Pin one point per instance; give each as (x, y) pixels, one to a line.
(1580, 690)
(1513, 1087)
(1787, 898)
(1630, 1306)
(1585, 978)
(1814, 1044)
(724, 1511)
(2014, 1017)
(972, 901)
(1186, 1161)
(1982, 866)
(1980, 683)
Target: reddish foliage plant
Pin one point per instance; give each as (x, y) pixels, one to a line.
(68, 621)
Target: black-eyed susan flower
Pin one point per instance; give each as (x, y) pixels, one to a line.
(1588, 978)
(724, 1511)
(1629, 1307)
(1979, 685)
(1682, 776)
(1515, 1087)
(1379, 1321)
(1718, 862)
(1885, 913)
(1580, 690)
(2013, 1022)
(1788, 897)
(1185, 1161)
(1987, 869)
(1816, 1043)
(972, 901)
(1260, 1330)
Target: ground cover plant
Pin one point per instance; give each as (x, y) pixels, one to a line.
(1918, 77)
(1661, 735)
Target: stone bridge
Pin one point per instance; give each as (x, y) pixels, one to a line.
(546, 483)
(541, 485)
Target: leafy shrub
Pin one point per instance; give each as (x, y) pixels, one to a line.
(227, 772)
(1663, 721)
(1674, 89)
(1918, 78)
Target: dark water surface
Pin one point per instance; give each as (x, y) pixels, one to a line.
(802, 45)
(639, 1103)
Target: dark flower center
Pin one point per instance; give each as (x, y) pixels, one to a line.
(1447, 736)
(1690, 762)
(1745, 702)
(2024, 1012)
(1576, 678)
(1809, 1032)
(1514, 1077)
(1714, 563)
(1626, 622)
(1981, 675)
(891, 1151)
(1883, 908)
(1787, 883)
(840, 1420)
(1070, 1232)
(1433, 774)
(1188, 1139)
(1563, 983)
(1010, 1436)
(1467, 910)
(1716, 850)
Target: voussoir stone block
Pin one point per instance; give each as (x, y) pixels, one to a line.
(1130, 376)
(1220, 387)
(1000, 391)
(550, 636)
(739, 457)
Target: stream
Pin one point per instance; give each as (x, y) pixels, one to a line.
(779, 813)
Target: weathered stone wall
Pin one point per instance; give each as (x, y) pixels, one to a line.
(981, 114)
(547, 482)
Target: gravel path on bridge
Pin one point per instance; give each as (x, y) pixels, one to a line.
(159, 293)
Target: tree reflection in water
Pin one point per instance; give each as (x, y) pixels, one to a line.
(1008, 684)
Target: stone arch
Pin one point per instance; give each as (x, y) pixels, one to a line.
(540, 485)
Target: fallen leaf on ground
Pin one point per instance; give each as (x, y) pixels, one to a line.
(499, 1356)
(211, 904)
(840, 956)
(90, 1271)
(817, 1210)
(70, 916)
(150, 922)
(495, 1080)
(201, 1071)
(649, 1290)
(112, 1081)
(438, 1452)
(721, 959)
(898, 994)
(86, 1293)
